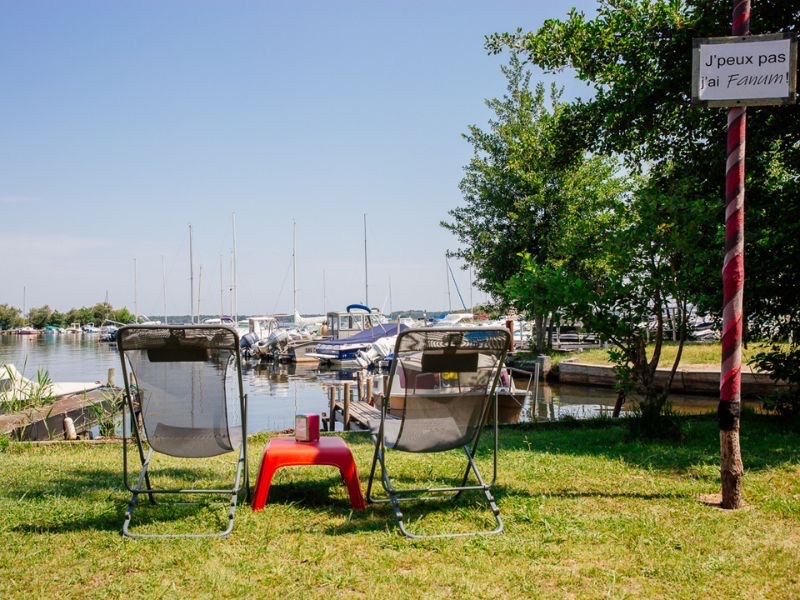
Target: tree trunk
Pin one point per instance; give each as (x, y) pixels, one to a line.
(618, 404)
(731, 469)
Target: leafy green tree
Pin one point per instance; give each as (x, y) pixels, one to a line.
(58, 319)
(516, 188)
(620, 280)
(123, 315)
(101, 311)
(636, 55)
(39, 317)
(10, 316)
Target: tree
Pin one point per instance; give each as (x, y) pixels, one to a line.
(636, 55)
(621, 282)
(514, 187)
(58, 319)
(10, 316)
(39, 317)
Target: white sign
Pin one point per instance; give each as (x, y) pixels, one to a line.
(731, 71)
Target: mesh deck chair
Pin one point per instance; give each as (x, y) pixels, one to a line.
(177, 386)
(440, 394)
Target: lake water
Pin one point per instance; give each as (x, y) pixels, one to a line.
(276, 393)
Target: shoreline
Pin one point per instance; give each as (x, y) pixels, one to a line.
(695, 379)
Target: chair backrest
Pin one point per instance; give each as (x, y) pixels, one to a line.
(190, 407)
(441, 385)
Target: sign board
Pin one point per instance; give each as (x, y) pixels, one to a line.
(738, 71)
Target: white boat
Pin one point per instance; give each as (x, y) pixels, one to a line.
(90, 328)
(26, 330)
(284, 338)
(347, 352)
(15, 386)
(354, 319)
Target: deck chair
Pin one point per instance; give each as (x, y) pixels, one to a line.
(439, 397)
(184, 398)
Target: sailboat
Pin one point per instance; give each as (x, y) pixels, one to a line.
(287, 338)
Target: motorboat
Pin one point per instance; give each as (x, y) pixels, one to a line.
(344, 352)
(353, 320)
(15, 386)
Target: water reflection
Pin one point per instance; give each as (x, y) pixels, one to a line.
(276, 393)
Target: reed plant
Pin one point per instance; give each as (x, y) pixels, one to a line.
(106, 412)
(23, 394)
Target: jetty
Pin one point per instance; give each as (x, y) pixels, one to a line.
(695, 379)
(70, 415)
(354, 402)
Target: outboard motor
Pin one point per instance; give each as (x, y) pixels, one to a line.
(247, 341)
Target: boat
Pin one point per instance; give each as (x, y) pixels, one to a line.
(344, 352)
(74, 328)
(285, 338)
(90, 328)
(15, 386)
(514, 387)
(354, 319)
(377, 356)
(27, 330)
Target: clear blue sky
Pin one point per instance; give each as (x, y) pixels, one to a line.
(121, 123)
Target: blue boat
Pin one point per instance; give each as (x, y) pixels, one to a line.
(345, 352)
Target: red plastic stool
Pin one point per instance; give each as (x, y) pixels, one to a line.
(288, 452)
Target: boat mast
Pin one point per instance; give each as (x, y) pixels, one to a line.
(135, 298)
(191, 277)
(447, 278)
(366, 273)
(164, 286)
(199, 287)
(294, 269)
(234, 307)
(221, 293)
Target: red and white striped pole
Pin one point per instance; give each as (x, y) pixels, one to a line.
(731, 469)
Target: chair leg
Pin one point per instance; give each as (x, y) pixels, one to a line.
(241, 466)
(395, 499)
(372, 474)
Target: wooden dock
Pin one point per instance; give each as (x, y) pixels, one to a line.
(47, 422)
(354, 405)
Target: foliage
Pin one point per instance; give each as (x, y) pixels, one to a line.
(510, 184)
(26, 394)
(636, 55)
(784, 366)
(106, 411)
(39, 317)
(98, 313)
(10, 317)
(58, 319)
(523, 191)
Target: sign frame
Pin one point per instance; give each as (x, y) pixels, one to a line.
(791, 98)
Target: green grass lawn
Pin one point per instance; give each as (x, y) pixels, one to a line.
(694, 353)
(588, 514)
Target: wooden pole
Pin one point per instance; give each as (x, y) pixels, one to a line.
(346, 406)
(729, 410)
(331, 408)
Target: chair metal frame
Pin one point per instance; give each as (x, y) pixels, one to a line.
(130, 420)
(396, 495)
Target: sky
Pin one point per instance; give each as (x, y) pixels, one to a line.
(272, 129)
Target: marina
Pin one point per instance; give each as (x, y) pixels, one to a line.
(279, 391)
